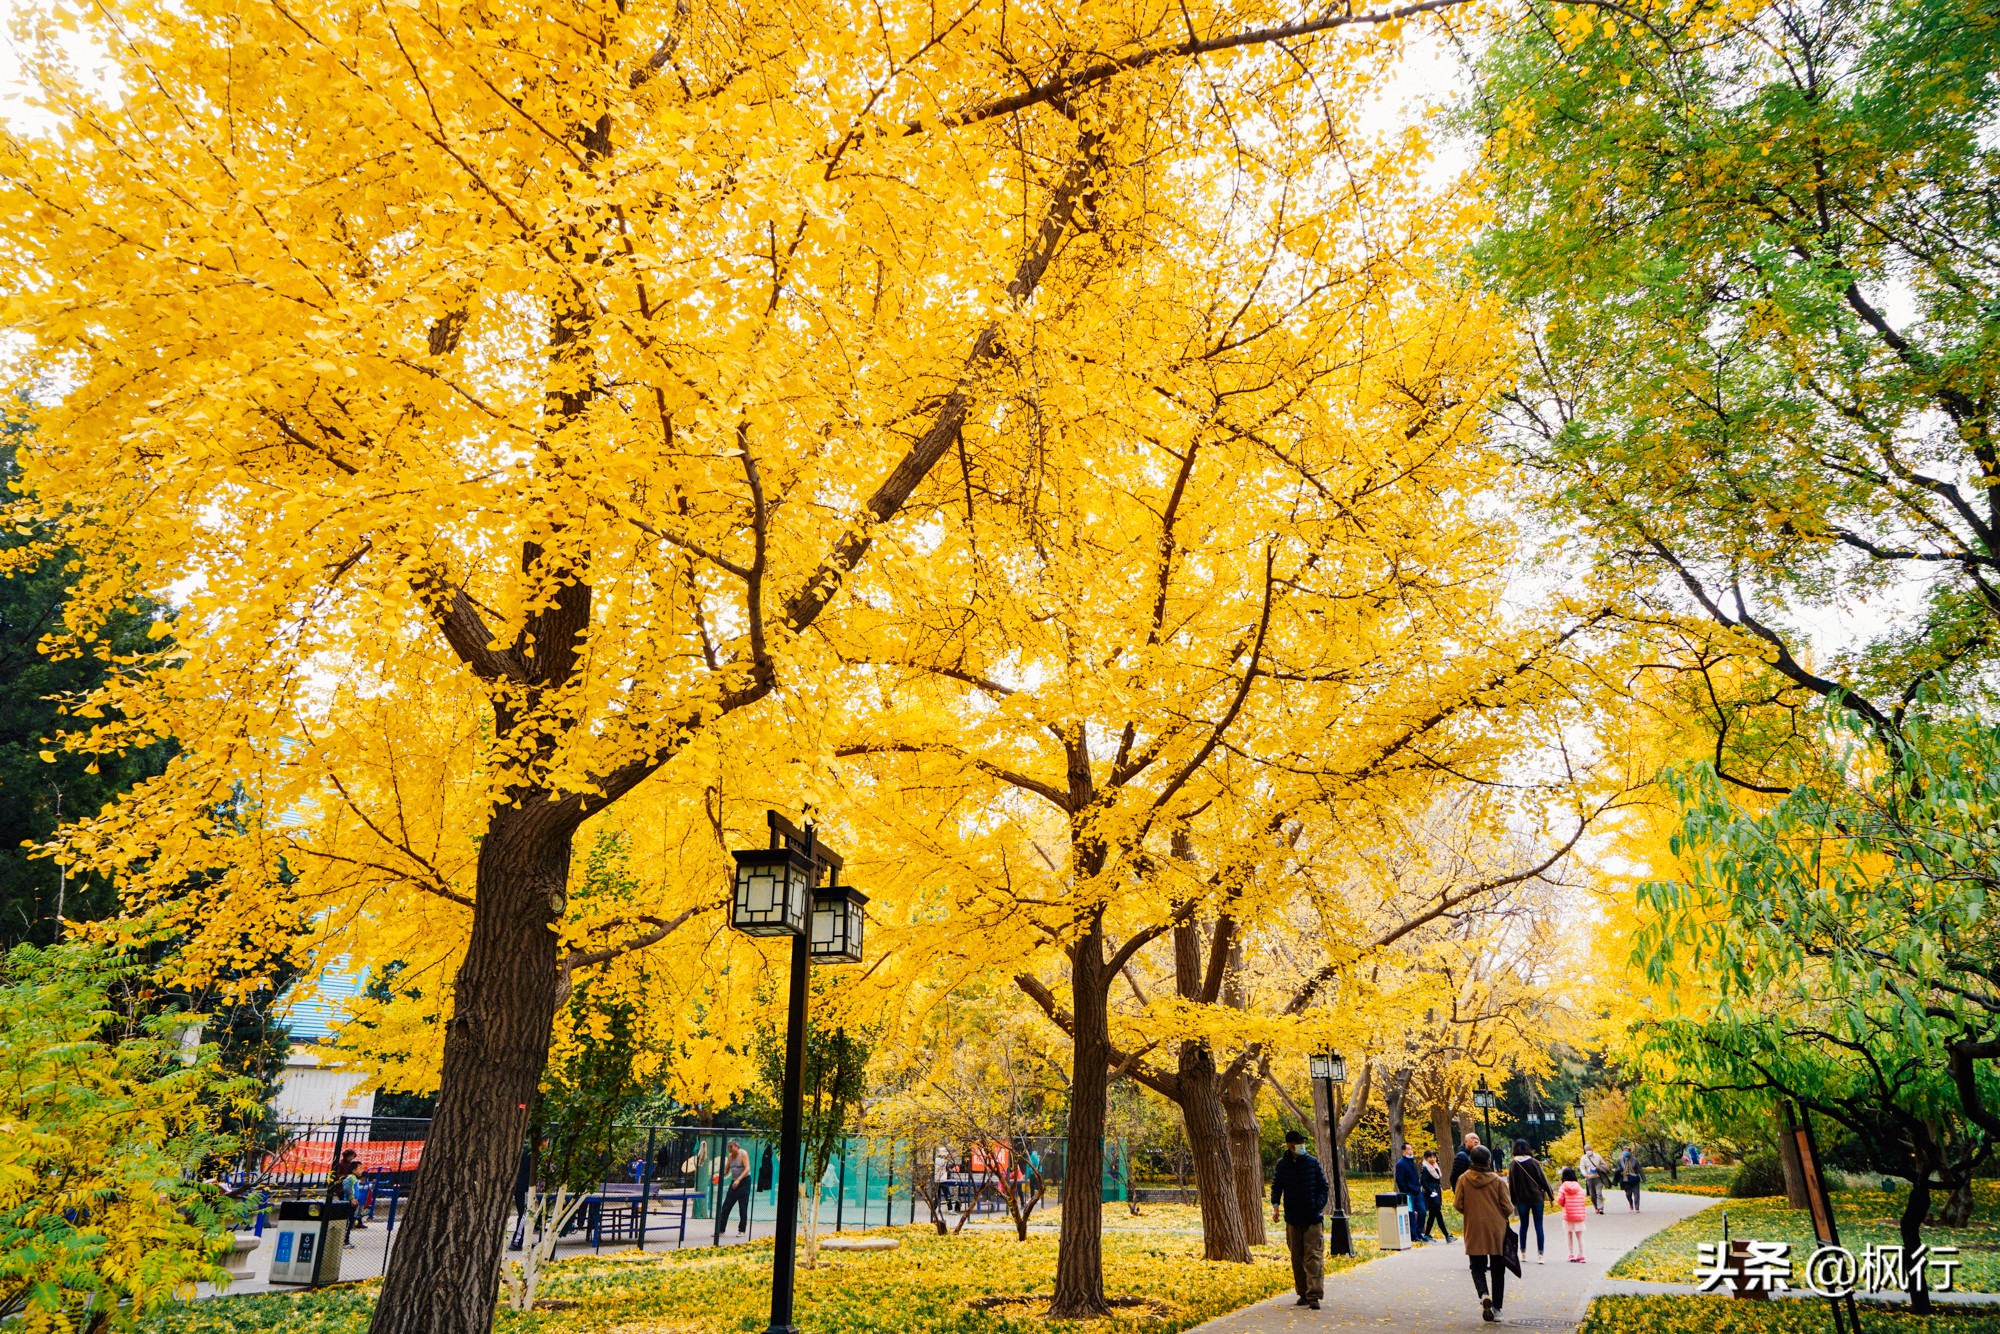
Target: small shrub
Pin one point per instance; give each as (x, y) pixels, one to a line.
(1761, 1174)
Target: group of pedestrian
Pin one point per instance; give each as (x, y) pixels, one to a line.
(1422, 1183)
(1492, 1204)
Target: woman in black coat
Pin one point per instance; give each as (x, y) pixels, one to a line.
(1528, 1185)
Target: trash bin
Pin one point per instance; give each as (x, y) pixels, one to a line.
(1392, 1222)
(311, 1236)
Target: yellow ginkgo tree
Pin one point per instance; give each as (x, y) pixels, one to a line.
(550, 367)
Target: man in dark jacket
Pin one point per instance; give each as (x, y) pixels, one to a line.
(1410, 1183)
(1462, 1161)
(1298, 1199)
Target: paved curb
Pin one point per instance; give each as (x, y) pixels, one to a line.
(1627, 1287)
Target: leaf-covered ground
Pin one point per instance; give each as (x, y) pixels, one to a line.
(1719, 1315)
(1693, 1181)
(1864, 1217)
(981, 1282)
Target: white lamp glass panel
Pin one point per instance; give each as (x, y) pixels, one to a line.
(770, 894)
(826, 926)
(836, 926)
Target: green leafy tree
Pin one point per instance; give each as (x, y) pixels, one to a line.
(41, 787)
(108, 1127)
(1755, 257)
(836, 1077)
(1848, 934)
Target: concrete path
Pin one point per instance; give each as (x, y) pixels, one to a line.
(1430, 1288)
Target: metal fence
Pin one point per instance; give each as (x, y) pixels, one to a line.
(661, 1185)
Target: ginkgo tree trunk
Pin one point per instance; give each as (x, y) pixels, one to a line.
(562, 358)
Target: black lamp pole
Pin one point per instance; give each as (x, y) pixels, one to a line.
(1342, 1238)
(789, 1136)
(1331, 1070)
(777, 892)
(1582, 1136)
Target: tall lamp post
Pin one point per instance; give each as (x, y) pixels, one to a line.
(1332, 1068)
(1482, 1098)
(1583, 1138)
(777, 893)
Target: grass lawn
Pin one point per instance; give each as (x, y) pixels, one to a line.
(1720, 1315)
(975, 1283)
(1864, 1216)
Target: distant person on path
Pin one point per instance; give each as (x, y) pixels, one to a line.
(1593, 1169)
(1631, 1175)
(1410, 1182)
(1298, 1198)
(348, 1175)
(1462, 1163)
(1529, 1185)
(1433, 1179)
(347, 1186)
(1483, 1203)
(737, 1168)
(1573, 1199)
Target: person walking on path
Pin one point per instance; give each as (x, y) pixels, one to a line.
(1571, 1198)
(1529, 1185)
(1461, 1163)
(1410, 1184)
(1488, 1216)
(1631, 1175)
(1593, 1170)
(737, 1167)
(1298, 1198)
(347, 1186)
(1433, 1180)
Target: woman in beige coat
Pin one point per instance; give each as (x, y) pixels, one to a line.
(1483, 1202)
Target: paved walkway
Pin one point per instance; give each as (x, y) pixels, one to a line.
(1430, 1287)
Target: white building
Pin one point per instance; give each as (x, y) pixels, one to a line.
(310, 1089)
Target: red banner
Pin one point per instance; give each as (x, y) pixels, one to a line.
(315, 1157)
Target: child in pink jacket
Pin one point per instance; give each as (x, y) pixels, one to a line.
(1572, 1199)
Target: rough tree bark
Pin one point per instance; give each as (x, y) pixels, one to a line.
(1246, 1151)
(1911, 1226)
(1239, 1104)
(1079, 1289)
(1441, 1131)
(1357, 1101)
(1395, 1095)
(496, 1042)
(1322, 1126)
(1208, 1134)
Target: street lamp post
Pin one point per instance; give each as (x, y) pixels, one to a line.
(1332, 1068)
(777, 893)
(1482, 1098)
(1582, 1136)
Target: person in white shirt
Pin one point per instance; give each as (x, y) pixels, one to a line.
(1593, 1170)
